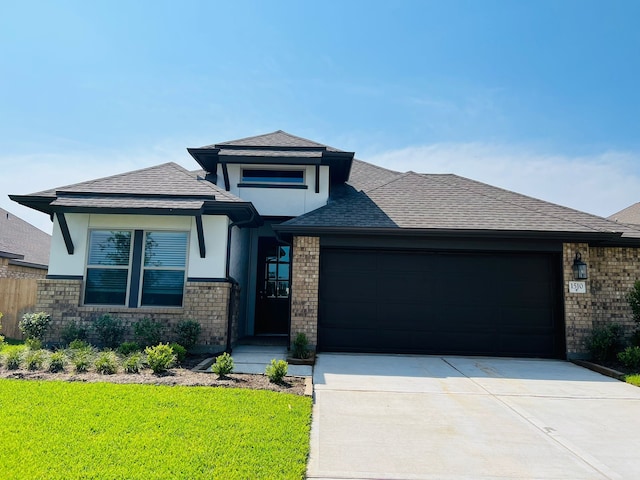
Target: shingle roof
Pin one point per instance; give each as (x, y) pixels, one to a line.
(166, 180)
(449, 202)
(21, 239)
(629, 215)
(278, 138)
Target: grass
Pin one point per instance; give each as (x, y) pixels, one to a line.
(59, 430)
(633, 379)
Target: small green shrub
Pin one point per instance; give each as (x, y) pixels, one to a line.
(106, 363)
(81, 359)
(224, 365)
(277, 370)
(604, 341)
(635, 339)
(13, 359)
(78, 345)
(133, 363)
(127, 348)
(57, 361)
(301, 346)
(630, 357)
(179, 351)
(34, 359)
(33, 344)
(110, 330)
(71, 332)
(187, 333)
(148, 332)
(34, 325)
(160, 358)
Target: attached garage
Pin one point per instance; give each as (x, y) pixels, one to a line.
(438, 302)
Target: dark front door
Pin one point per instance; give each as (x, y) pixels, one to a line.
(273, 285)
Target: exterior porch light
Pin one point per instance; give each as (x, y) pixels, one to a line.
(579, 267)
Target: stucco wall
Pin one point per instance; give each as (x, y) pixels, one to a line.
(215, 234)
(286, 202)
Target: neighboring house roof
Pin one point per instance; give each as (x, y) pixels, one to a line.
(22, 242)
(629, 215)
(449, 203)
(162, 189)
(261, 149)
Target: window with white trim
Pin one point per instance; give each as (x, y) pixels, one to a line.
(272, 176)
(136, 268)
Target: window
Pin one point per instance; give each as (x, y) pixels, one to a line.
(136, 268)
(277, 272)
(266, 176)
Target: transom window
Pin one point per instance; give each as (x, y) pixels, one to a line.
(136, 268)
(286, 177)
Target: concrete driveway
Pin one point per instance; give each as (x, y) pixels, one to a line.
(427, 417)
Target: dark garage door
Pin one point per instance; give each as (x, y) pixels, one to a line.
(440, 303)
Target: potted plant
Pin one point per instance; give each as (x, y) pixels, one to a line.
(300, 352)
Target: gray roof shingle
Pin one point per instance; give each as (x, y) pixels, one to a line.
(278, 138)
(629, 215)
(21, 239)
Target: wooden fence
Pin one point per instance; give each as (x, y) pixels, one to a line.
(17, 296)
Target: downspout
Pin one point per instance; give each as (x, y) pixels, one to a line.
(232, 281)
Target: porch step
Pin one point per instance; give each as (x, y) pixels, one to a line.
(255, 358)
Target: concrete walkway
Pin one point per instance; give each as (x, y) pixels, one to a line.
(420, 417)
(255, 358)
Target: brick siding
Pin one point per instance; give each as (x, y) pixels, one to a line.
(304, 288)
(18, 271)
(205, 302)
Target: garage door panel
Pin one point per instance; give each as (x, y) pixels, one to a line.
(435, 302)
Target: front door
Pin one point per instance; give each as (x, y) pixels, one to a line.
(273, 285)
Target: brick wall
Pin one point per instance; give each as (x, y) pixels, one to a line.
(304, 288)
(612, 272)
(18, 271)
(204, 302)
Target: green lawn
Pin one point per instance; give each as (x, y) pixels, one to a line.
(633, 379)
(58, 430)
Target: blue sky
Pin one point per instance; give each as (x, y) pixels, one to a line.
(541, 97)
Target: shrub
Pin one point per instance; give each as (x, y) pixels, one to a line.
(301, 346)
(187, 333)
(128, 348)
(635, 338)
(110, 330)
(633, 297)
(72, 332)
(133, 363)
(81, 359)
(148, 332)
(277, 370)
(33, 344)
(34, 325)
(34, 359)
(14, 359)
(106, 363)
(1, 337)
(630, 357)
(224, 365)
(160, 358)
(604, 341)
(79, 345)
(57, 361)
(179, 351)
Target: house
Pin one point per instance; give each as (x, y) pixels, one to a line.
(277, 235)
(629, 215)
(24, 249)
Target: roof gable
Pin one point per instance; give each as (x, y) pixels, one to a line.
(629, 215)
(277, 139)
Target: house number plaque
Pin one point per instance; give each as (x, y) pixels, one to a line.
(577, 287)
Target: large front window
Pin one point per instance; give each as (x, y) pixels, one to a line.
(136, 268)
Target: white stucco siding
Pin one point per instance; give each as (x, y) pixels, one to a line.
(215, 234)
(274, 201)
(60, 262)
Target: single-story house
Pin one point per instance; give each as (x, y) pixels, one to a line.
(24, 249)
(276, 235)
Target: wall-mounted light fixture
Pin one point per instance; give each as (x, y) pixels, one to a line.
(579, 267)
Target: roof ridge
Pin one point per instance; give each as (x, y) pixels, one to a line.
(282, 132)
(399, 177)
(378, 166)
(510, 192)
